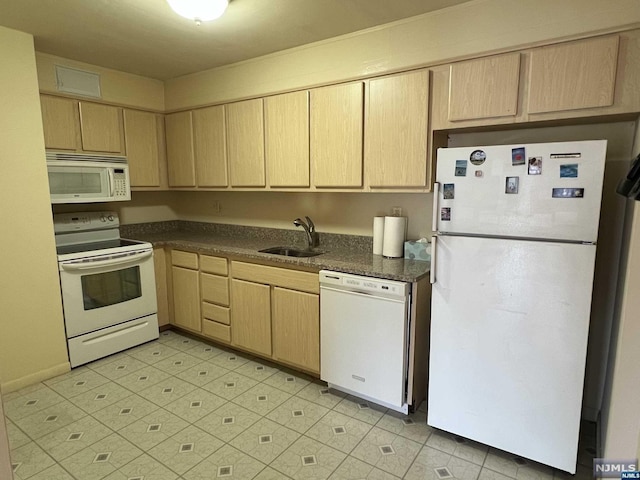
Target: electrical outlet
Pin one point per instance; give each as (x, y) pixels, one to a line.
(396, 211)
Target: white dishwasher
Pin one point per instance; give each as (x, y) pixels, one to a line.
(364, 337)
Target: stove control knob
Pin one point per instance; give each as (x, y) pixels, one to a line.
(110, 217)
(103, 218)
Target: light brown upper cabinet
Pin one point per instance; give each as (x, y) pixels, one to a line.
(396, 134)
(245, 143)
(100, 127)
(81, 126)
(336, 123)
(286, 130)
(573, 75)
(180, 160)
(209, 134)
(484, 88)
(60, 121)
(141, 139)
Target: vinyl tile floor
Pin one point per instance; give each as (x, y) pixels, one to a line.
(178, 408)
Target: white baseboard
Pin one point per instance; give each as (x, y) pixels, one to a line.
(36, 377)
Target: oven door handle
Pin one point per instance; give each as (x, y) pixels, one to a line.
(119, 260)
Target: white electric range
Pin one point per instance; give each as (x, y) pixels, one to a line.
(108, 286)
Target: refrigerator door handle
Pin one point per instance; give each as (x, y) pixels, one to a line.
(432, 268)
(436, 197)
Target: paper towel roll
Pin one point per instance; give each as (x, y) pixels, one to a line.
(394, 234)
(378, 235)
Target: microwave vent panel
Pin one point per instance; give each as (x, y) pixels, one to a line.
(78, 82)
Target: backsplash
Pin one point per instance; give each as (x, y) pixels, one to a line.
(277, 235)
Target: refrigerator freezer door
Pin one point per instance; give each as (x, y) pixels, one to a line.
(511, 192)
(509, 329)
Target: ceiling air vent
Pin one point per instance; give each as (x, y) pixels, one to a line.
(79, 82)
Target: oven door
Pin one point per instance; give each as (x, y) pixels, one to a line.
(106, 290)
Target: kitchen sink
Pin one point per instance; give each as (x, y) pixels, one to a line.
(291, 252)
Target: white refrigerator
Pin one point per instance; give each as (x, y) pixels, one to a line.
(512, 272)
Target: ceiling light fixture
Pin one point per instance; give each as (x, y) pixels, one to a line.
(199, 10)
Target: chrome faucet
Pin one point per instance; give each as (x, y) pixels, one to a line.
(310, 230)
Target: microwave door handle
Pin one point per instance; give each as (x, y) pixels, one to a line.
(106, 263)
(111, 183)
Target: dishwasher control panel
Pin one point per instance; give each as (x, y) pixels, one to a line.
(363, 284)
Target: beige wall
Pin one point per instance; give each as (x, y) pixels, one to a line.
(456, 32)
(32, 342)
(144, 207)
(621, 413)
(116, 87)
(350, 213)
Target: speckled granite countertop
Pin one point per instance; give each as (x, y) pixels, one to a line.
(343, 253)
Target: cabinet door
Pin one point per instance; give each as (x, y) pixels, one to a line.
(336, 124)
(286, 119)
(251, 316)
(60, 122)
(186, 298)
(180, 163)
(296, 328)
(484, 88)
(210, 147)
(245, 140)
(573, 75)
(101, 128)
(141, 140)
(396, 131)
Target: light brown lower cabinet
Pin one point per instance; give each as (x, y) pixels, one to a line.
(251, 316)
(296, 328)
(214, 289)
(276, 312)
(216, 330)
(270, 311)
(186, 298)
(160, 266)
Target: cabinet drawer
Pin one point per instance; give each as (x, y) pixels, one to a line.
(217, 265)
(184, 259)
(216, 330)
(215, 289)
(279, 277)
(216, 313)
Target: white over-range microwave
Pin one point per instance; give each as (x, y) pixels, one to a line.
(86, 178)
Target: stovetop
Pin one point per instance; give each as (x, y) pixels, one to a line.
(83, 235)
(92, 247)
